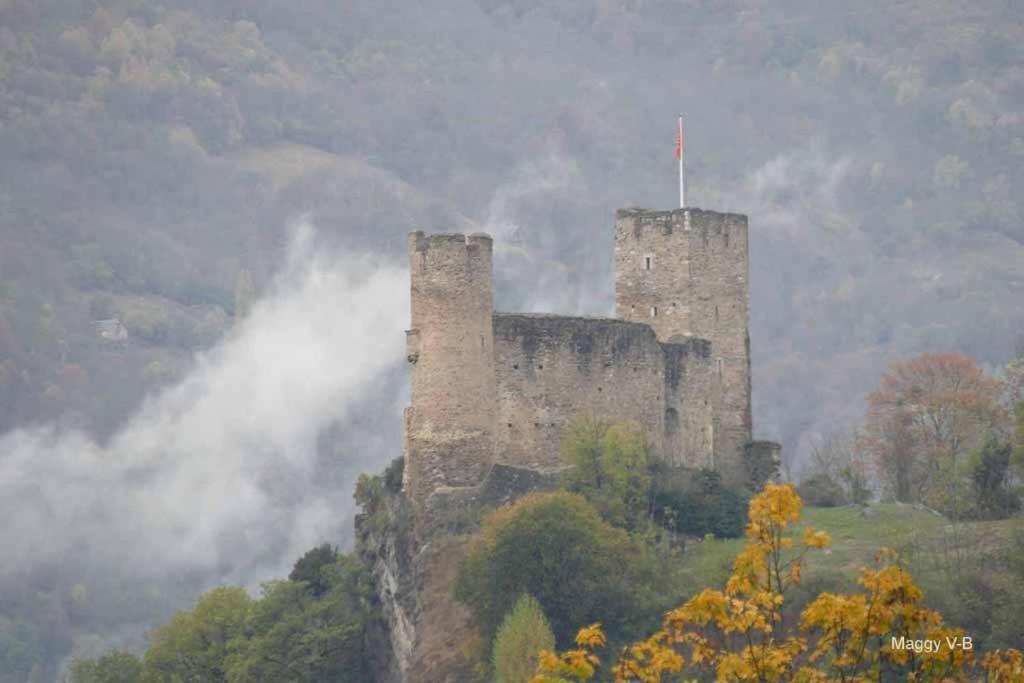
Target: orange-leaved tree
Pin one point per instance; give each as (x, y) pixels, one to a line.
(739, 634)
(926, 414)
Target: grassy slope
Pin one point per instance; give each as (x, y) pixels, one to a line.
(924, 540)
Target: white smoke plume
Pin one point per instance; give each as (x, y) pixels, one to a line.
(219, 476)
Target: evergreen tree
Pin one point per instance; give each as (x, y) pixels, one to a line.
(524, 632)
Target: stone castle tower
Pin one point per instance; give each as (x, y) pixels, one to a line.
(499, 388)
(685, 273)
(492, 394)
(450, 423)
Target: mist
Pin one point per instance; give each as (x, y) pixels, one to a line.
(226, 476)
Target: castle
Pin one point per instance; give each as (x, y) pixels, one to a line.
(492, 394)
(499, 388)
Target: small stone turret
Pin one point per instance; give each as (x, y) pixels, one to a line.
(450, 421)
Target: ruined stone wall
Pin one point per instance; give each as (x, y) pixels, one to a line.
(684, 272)
(549, 369)
(449, 424)
(692, 393)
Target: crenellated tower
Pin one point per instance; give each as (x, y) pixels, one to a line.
(685, 273)
(450, 421)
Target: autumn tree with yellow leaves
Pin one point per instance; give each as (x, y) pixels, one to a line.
(740, 634)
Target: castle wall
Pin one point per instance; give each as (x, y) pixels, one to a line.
(692, 393)
(684, 272)
(549, 369)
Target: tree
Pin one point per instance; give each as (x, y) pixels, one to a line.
(524, 632)
(888, 438)
(761, 463)
(556, 547)
(837, 466)
(115, 667)
(990, 470)
(289, 634)
(927, 413)
(292, 635)
(739, 634)
(609, 468)
(194, 645)
(309, 569)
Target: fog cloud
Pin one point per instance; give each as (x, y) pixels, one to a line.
(223, 474)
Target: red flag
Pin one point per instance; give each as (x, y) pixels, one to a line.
(679, 142)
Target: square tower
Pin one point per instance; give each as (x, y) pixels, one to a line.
(685, 273)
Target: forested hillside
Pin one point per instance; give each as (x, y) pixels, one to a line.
(153, 152)
(155, 157)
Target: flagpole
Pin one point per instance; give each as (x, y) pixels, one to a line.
(682, 186)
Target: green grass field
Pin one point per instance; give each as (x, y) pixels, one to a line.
(930, 545)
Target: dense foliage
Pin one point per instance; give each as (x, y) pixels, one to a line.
(609, 467)
(696, 503)
(310, 629)
(739, 634)
(556, 547)
(116, 667)
(938, 430)
(614, 466)
(312, 569)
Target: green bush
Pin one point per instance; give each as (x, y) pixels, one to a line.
(821, 491)
(696, 502)
(990, 478)
(556, 547)
(761, 463)
(393, 475)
